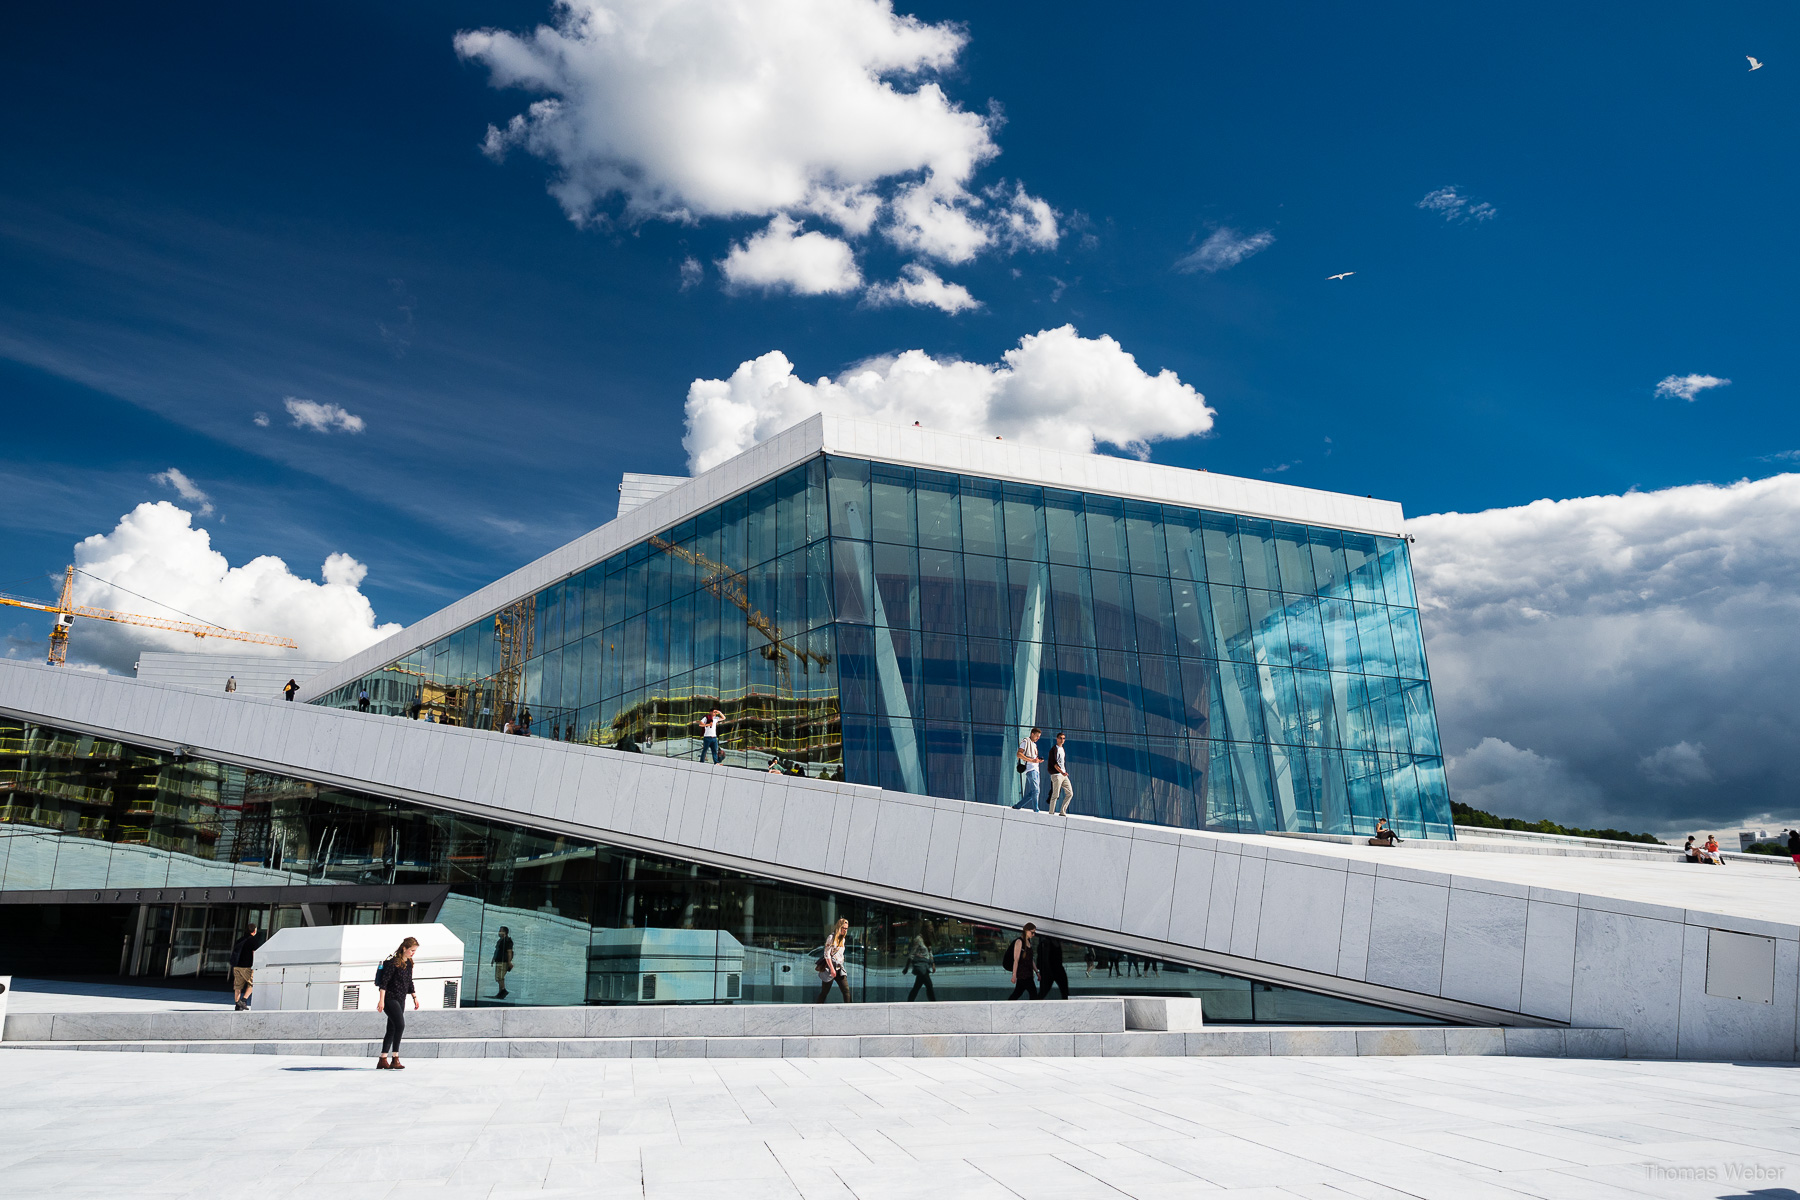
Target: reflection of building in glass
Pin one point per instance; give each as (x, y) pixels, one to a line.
(901, 626)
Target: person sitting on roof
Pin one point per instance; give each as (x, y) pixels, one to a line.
(1384, 836)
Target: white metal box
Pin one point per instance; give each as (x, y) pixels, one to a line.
(333, 966)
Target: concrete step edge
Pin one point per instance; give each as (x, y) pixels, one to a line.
(1229, 1042)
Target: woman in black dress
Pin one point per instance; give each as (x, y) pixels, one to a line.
(394, 978)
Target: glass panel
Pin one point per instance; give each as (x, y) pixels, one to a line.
(1396, 572)
(1155, 611)
(847, 489)
(940, 591)
(1113, 611)
(982, 526)
(1256, 540)
(986, 599)
(1293, 552)
(1066, 529)
(1144, 536)
(892, 498)
(1025, 537)
(1106, 534)
(1409, 646)
(940, 512)
(1224, 561)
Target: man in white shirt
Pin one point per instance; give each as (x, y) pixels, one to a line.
(1028, 769)
(709, 735)
(1059, 777)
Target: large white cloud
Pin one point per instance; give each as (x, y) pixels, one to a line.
(691, 109)
(1621, 660)
(157, 552)
(1055, 389)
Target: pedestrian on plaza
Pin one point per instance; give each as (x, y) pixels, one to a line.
(830, 966)
(709, 736)
(292, 687)
(1794, 846)
(243, 968)
(921, 963)
(1050, 967)
(1021, 961)
(1028, 768)
(231, 685)
(1059, 776)
(394, 983)
(1087, 962)
(503, 961)
(362, 700)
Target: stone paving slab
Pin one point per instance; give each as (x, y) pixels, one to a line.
(1257, 1128)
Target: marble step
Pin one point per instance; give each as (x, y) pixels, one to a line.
(1104, 1015)
(1218, 1041)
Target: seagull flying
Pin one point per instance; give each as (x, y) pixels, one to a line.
(1755, 62)
(1345, 275)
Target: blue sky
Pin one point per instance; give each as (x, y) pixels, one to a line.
(205, 210)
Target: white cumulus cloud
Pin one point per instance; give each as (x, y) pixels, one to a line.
(1055, 389)
(919, 284)
(1642, 646)
(1450, 204)
(691, 109)
(1224, 248)
(782, 258)
(321, 418)
(156, 551)
(186, 488)
(1688, 387)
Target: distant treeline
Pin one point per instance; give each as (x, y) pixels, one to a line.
(1462, 814)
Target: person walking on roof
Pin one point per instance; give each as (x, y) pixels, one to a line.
(362, 700)
(1059, 776)
(1794, 845)
(709, 736)
(1028, 769)
(394, 980)
(292, 687)
(231, 685)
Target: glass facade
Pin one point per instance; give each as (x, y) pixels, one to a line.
(903, 627)
(590, 923)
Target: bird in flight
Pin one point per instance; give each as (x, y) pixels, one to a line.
(1755, 62)
(1345, 275)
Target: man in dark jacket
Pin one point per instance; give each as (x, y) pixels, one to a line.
(1050, 967)
(243, 965)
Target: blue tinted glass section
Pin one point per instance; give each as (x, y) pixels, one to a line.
(898, 626)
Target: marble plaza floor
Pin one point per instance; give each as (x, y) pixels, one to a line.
(146, 1126)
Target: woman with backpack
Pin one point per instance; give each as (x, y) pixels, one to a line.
(394, 983)
(831, 962)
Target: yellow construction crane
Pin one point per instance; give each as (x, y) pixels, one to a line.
(66, 610)
(722, 581)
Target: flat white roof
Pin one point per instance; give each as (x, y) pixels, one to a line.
(905, 445)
